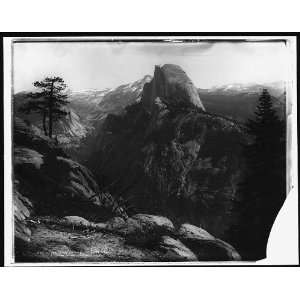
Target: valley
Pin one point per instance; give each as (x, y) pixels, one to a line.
(147, 171)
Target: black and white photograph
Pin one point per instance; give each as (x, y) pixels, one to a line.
(165, 150)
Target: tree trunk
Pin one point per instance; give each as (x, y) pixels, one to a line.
(50, 120)
(50, 111)
(44, 122)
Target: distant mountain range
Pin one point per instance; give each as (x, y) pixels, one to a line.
(238, 101)
(95, 105)
(86, 102)
(89, 108)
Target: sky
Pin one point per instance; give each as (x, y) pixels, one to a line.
(100, 65)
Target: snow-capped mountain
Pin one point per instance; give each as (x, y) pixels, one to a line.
(238, 101)
(85, 102)
(116, 100)
(94, 105)
(274, 88)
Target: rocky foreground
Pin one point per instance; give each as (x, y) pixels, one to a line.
(139, 238)
(48, 185)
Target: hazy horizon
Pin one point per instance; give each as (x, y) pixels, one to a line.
(101, 65)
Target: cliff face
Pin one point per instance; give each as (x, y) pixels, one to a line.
(69, 130)
(171, 84)
(167, 155)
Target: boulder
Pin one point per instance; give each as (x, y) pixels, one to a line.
(213, 250)
(155, 221)
(77, 179)
(116, 224)
(141, 229)
(174, 250)
(189, 231)
(76, 221)
(205, 246)
(27, 156)
(98, 226)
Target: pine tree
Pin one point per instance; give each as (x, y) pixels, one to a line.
(264, 187)
(49, 101)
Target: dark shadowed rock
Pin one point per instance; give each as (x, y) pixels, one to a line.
(205, 246)
(28, 156)
(31, 137)
(175, 250)
(155, 221)
(212, 250)
(54, 183)
(22, 211)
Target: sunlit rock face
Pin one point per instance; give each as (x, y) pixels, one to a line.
(68, 130)
(172, 85)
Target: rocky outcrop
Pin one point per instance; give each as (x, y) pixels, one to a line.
(69, 130)
(212, 250)
(192, 232)
(174, 250)
(155, 221)
(172, 85)
(141, 229)
(73, 238)
(53, 182)
(205, 246)
(22, 211)
(48, 186)
(31, 137)
(28, 156)
(76, 221)
(165, 155)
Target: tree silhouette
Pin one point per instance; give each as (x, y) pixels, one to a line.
(49, 101)
(264, 187)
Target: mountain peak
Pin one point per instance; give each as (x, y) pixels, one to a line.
(172, 85)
